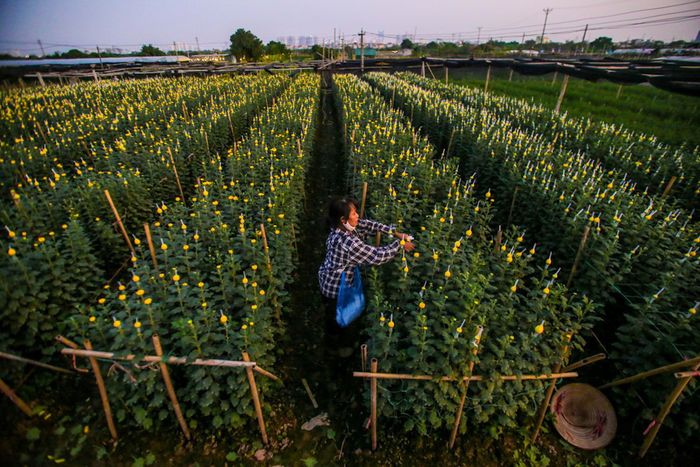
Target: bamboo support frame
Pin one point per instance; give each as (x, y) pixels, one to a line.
(687, 374)
(663, 413)
(256, 398)
(151, 247)
(119, 221)
(169, 387)
(177, 177)
(373, 408)
(579, 253)
(550, 391)
(477, 378)
(458, 417)
(656, 371)
(103, 391)
(364, 200)
(29, 361)
(7, 390)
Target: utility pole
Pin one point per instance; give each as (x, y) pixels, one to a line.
(175, 48)
(43, 54)
(362, 50)
(583, 39)
(99, 55)
(546, 14)
(197, 40)
(478, 35)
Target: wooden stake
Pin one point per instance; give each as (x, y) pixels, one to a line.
(619, 91)
(654, 372)
(256, 398)
(7, 390)
(512, 206)
(309, 393)
(364, 199)
(564, 84)
(488, 78)
(579, 253)
(363, 357)
(658, 421)
(465, 384)
(510, 76)
(151, 248)
(402, 376)
(373, 401)
(169, 387)
(177, 177)
(29, 361)
(550, 390)
(266, 248)
(669, 185)
(119, 221)
(103, 392)
(584, 361)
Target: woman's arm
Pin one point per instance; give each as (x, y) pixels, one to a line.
(370, 226)
(363, 254)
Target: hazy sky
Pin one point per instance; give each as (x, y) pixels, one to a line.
(63, 24)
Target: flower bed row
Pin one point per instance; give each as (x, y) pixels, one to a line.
(424, 309)
(645, 159)
(213, 293)
(640, 255)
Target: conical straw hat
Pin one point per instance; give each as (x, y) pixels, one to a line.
(584, 416)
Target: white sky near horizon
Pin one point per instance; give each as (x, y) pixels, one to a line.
(128, 24)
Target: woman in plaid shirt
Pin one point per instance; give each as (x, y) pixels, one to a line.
(346, 249)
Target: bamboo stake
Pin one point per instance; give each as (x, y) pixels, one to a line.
(256, 398)
(151, 248)
(29, 361)
(510, 76)
(309, 393)
(488, 78)
(446, 75)
(658, 421)
(619, 91)
(177, 177)
(119, 221)
(581, 246)
(266, 248)
(169, 387)
(7, 390)
(103, 391)
(378, 239)
(687, 374)
(72, 345)
(155, 359)
(364, 199)
(497, 241)
(41, 79)
(449, 145)
(363, 357)
(564, 84)
(373, 408)
(550, 390)
(257, 369)
(585, 361)
(554, 78)
(402, 376)
(458, 417)
(655, 371)
(512, 206)
(669, 186)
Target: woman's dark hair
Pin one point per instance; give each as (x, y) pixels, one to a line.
(340, 207)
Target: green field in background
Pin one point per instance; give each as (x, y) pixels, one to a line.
(673, 118)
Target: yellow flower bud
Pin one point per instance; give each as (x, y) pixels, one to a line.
(148, 301)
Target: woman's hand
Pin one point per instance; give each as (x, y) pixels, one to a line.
(408, 246)
(403, 236)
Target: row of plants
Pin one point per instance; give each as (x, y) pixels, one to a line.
(51, 223)
(213, 289)
(641, 252)
(642, 156)
(425, 308)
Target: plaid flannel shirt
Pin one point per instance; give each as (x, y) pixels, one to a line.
(345, 250)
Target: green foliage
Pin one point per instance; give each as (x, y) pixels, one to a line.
(149, 50)
(602, 43)
(276, 48)
(406, 44)
(246, 46)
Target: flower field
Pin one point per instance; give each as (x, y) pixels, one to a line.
(641, 249)
(538, 236)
